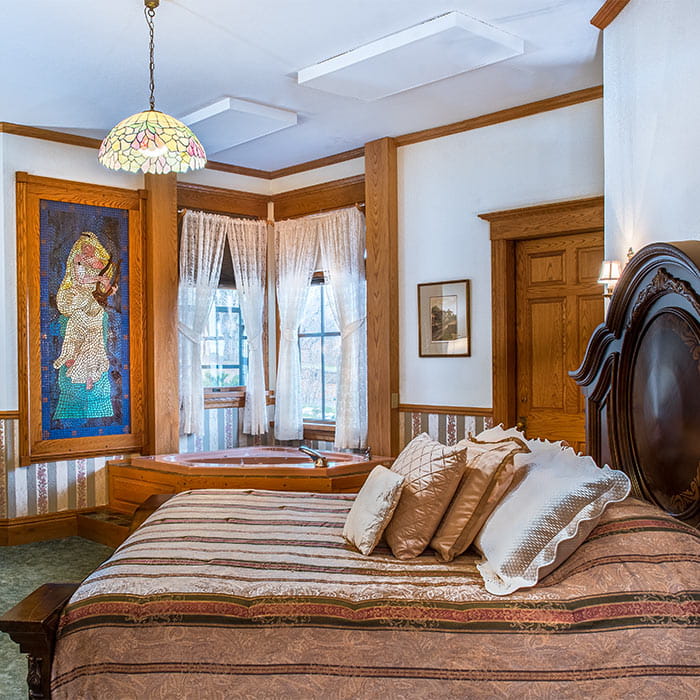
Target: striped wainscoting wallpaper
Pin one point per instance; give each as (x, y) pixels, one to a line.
(82, 483)
(47, 487)
(446, 428)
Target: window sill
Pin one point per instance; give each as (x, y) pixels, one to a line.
(230, 397)
(314, 430)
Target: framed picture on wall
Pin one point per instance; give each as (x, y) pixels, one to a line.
(80, 319)
(443, 319)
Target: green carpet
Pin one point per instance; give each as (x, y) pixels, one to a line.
(24, 568)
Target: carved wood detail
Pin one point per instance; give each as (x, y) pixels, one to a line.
(641, 420)
(32, 624)
(662, 283)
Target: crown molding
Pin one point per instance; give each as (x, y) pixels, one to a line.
(503, 115)
(607, 13)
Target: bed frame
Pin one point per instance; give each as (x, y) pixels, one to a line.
(640, 378)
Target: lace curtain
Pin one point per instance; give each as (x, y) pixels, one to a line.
(247, 240)
(342, 240)
(296, 247)
(201, 249)
(340, 235)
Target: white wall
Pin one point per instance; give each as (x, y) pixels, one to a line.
(229, 181)
(48, 159)
(443, 185)
(218, 178)
(652, 139)
(337, 171)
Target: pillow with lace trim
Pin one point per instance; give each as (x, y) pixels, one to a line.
(549, 510)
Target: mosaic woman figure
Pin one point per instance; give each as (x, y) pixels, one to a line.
(83, 365)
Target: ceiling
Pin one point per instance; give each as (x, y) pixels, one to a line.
(81, 67)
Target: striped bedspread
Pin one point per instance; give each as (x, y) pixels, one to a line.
(226, 594)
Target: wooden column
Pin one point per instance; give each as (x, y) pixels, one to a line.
(161, 272)
(382, 296)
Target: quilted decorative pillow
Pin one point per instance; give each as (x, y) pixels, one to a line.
(488, 475)
(432, 474)
(550, 509)
(373, 508)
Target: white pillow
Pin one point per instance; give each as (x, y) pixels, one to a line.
(539, 448)
(550, 509)
(373, 508)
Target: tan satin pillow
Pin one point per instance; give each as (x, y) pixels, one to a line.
(373, 508)
(432, 474)
(486, 479)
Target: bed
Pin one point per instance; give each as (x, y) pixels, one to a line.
(255, 593)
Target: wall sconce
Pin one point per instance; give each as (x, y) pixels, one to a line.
(610, 272)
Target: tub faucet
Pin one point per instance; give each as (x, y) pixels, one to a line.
(316, 457)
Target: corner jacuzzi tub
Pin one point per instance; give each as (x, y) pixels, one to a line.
(133, 480)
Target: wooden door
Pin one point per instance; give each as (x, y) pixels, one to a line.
(558, 305)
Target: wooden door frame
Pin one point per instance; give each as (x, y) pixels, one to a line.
(508, 227)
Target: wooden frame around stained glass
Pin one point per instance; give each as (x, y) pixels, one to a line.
(80, 300)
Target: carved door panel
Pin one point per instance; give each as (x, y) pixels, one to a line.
(558, 305)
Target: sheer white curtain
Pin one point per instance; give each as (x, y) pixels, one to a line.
(201, 248)
(296, 246)
(342, 240)
(247, 239)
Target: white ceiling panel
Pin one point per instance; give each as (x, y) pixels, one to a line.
(229, 122)
(439, 48)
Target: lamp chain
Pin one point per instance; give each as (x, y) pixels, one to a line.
(150, 13)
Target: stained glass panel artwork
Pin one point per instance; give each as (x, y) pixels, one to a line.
(152, 142)
(84, 297)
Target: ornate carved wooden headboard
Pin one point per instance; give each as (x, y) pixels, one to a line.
(640, 378)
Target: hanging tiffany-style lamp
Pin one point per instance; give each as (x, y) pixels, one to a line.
(152, 141)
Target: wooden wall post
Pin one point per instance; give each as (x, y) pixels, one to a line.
(161, 272)
(381, 213)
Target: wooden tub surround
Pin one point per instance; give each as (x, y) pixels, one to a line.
(133, 480)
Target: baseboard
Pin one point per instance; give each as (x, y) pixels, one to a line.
(37, 528)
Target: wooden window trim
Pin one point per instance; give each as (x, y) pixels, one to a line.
(231, 397)
(323, 431)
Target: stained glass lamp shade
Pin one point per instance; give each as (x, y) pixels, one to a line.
(152, 142)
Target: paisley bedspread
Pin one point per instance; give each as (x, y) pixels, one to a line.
(225, 594)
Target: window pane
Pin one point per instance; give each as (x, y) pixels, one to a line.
(330, 325)
(224, 350)
(331, 365)
(311, 322)
(311, 378)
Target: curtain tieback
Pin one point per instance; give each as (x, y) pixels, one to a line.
(352, 327)
(290, 334)
(189, 333)
(254, 342)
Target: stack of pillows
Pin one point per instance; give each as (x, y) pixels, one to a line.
(526, 505)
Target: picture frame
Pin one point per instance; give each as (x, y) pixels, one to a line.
(444, 319)
(80, 298)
